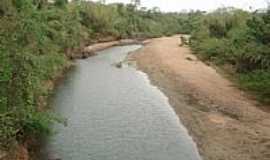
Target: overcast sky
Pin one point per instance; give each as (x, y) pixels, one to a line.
(206, 5)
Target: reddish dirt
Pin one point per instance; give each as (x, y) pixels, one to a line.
(225, 123)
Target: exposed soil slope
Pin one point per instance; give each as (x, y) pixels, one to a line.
(225, 124)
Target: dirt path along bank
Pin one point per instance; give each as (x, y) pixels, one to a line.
(225, 124)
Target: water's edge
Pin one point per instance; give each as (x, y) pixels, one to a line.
(113, 76)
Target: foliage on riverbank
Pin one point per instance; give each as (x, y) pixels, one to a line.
(36, 39)
(239, 39)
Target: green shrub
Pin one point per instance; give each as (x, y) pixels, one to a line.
(259, 82)
(16, 126)
(238, 38)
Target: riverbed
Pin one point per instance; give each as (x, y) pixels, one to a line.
(113, 112)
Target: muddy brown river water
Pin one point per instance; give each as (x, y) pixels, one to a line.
(115, 114)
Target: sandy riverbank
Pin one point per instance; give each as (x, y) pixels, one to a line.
(225, 124)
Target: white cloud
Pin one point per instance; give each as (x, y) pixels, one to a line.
(178, 5)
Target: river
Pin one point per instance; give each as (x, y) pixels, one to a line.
(115, 114)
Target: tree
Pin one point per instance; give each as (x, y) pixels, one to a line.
(60, 3)
(103, 1)
(136, 3)
(40, 3)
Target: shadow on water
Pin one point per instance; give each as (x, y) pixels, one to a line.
(114, 113)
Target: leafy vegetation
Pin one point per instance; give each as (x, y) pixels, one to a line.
(36, 38)
(241, 39)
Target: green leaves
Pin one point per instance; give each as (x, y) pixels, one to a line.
(60, 3)
(27, 58)
(239, 39)
(258, 82)
(35, 40)
(9, 129)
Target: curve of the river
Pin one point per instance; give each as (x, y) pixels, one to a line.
(115, 114)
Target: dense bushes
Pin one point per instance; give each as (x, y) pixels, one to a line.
(36, 37)
(28, 58)
(241, 39)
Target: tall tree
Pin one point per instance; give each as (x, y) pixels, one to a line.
(103, 1)
(60, 3)
(136, 2)
(40, 3)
